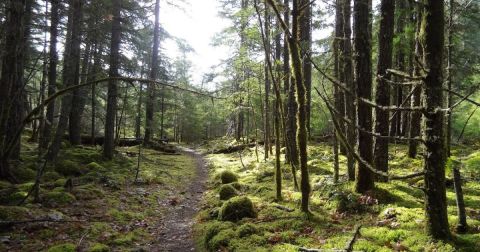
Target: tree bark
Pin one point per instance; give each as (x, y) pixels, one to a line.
(350, 108)
(70, 73)
(109, 145)
(266, 129)
(363, 80)
(153, 76)
(382, 95)
(435, 191)
(11, 84)
(306, 44)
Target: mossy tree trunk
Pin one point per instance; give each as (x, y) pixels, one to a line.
(266, 104)
(306, 48)
(382, 95)
(435, 191)
(363, 80)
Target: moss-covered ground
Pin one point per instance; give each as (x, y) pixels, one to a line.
(392, 216)
(103, 211)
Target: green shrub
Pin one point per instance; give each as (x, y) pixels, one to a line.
(66, 247)
(56, 198)
(228, 177)
(227, 191)
(236, 209)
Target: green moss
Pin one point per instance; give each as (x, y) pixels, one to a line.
(472, 164)
(87, 192)
(56, 198)
(14, 213)
(228, 177)
(66, 247)
(5, 185)
(236, 209)
(212, 229)
(227, 192)
(50, 176)
(99, 247)
(69, 168)
(60, 182)
(124, 216)
(93, 166)
(239, 186)
(246, 229)
(23, 174)
(221, 240)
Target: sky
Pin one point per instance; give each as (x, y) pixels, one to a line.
(197, 24)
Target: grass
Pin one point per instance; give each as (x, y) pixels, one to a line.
(336, 209)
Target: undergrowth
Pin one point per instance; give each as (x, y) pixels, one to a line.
(392, 216)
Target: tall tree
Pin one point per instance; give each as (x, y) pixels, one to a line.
(382, 95)
(71, 71)
(306, 44)
(153, 76)
(109, 143)
(363, 80)
(350, 109)
(11, 84)
(52, 73)
(266, 125)
(435, 191)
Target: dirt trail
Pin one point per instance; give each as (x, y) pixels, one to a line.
(176, 234)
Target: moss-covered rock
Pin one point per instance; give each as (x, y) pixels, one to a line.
(57, 198)
(239, 186)
(228, 177)
(65, 247)
(227, 192)
(246, 229)
(221, 240)
(60, 182)
(236, 209)
(50, 176)
(13, 213)
(94, 166)
(87, 192)
(212, 229)
(99, 247)
(69, 168)
(23, 174)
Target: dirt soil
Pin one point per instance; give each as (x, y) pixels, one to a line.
(176, 227)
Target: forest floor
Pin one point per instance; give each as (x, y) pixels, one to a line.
(105, 210)
(391, 217)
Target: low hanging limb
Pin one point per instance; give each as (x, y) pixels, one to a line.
(5, 153)
(350, 149)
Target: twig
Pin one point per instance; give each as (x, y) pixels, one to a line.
(349, 246)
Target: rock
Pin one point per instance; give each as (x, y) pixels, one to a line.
(227, 192)
(228, 177)
(236, 209)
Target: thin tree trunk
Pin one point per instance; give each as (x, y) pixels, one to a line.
(153, 76)
(350, 107)
(306, 43)
(449, 73)
(109, 144)
(382, 95)
(462, 226)
(267, 144)
(70, 74)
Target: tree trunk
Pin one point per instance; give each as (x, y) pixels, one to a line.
(306, 44)
(449, 73)
(382, 96)
(363, 79)
(109, 145)
(153, 76)
(11, 84)
(416, 116)
(267, 144)
(462, 226)
(79, 97)
(350, 108)
(435, 191)
(70, 74)
(302, 127)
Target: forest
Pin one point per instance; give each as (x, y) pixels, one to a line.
(327, 125)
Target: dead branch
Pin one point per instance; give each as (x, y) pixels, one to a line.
(349, 246)
(405, 75)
